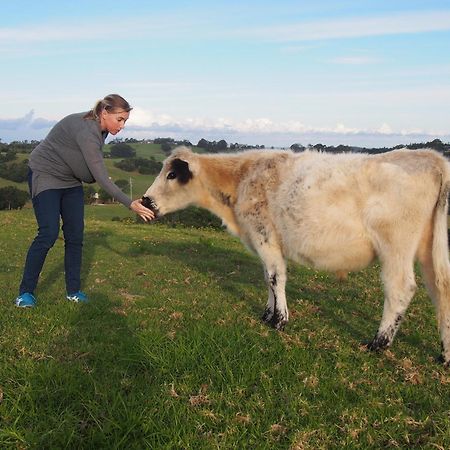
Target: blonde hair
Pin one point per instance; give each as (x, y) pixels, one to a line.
(110, 103)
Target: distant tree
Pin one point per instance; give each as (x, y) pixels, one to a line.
(222, 145)
(7, 154)
(436, 144)
(88, 194)
(12, 198)
(166, 147)
(23, 146)
(148, 166)
(128, 165)
(103, 196)
(297, 148)
(17, 172)
(124, 185)
(203, 143)
(122, 150)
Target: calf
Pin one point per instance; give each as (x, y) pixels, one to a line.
(331, 212)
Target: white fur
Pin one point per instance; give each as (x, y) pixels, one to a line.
(331, 212)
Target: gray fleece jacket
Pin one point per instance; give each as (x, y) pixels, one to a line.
(70, 155)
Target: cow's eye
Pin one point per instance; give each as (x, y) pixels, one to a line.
(171, 175)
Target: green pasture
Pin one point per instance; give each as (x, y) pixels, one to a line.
(171, 354)
(140, 182)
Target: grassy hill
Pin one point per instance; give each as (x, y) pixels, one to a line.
(170, 353)
(144, 150)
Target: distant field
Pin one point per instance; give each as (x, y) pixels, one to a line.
(171, 353)
(145, 150)
(140, 182)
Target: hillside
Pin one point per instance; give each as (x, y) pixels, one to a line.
(140, 182)
(171, 352)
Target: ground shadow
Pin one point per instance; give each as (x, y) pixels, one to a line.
(235, 270)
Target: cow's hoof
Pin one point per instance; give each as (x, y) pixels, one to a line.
(379, 342)
(278, 321)
(267, 316)
(441, 359)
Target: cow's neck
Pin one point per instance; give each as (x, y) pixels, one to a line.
(220, 178)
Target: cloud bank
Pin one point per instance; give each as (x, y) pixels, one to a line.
(259, 131)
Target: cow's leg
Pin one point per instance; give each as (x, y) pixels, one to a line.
(276, 313)
(268, 313)
(399, 287)
(440, 294)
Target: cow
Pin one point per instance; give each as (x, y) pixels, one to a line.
(334, 212)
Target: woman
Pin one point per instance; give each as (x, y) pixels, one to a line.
(70, 155)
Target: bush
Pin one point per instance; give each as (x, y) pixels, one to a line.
(17, 172)
(89, 194)
(12, 198)
(7, 155)
(124, 185)
(128, 165)
(148, 166)
(122, 151)
(144, 166)
(191, 217)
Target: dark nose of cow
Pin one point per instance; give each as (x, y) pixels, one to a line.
(150, 204)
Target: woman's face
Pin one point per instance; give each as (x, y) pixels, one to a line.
(113, 122)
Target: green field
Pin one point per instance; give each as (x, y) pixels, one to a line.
(171, 354)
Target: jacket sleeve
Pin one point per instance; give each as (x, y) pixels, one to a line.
(91, 148)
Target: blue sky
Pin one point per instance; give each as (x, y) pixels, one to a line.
(356, 72)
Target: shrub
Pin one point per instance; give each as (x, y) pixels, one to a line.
(12, 198)
(191, 217)
(122, 151)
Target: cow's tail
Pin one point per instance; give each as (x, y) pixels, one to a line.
(441, 263)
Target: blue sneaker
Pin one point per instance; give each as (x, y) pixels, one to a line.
(25, 300)
(78, 297)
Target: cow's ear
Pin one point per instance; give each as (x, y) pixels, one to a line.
(182, 170)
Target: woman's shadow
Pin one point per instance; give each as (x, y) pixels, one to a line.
(96, 360)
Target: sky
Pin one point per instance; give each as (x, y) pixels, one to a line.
(369, 73)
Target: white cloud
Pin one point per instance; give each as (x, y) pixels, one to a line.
(194, 27)
(263, 131)
(396, 23)
(268, 132)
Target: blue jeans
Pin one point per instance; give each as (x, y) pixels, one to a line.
(48, 207)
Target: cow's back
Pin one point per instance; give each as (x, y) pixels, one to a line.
(328, 210)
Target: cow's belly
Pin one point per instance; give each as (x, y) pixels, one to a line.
(350, 257)
(338, 243)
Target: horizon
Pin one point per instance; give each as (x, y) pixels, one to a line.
(262, 146)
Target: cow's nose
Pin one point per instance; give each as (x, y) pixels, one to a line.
(149, 203)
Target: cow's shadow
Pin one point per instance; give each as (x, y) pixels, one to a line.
(343, 306)
(235, 270)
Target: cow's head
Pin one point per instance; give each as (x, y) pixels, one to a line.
(174, 187)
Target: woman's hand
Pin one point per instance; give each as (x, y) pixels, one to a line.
(141, 210)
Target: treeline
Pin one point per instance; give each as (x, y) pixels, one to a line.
(18, 146)
(436, 144)
(168, 144)
(17, 171)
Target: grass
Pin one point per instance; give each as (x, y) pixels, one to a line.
(171, 353)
